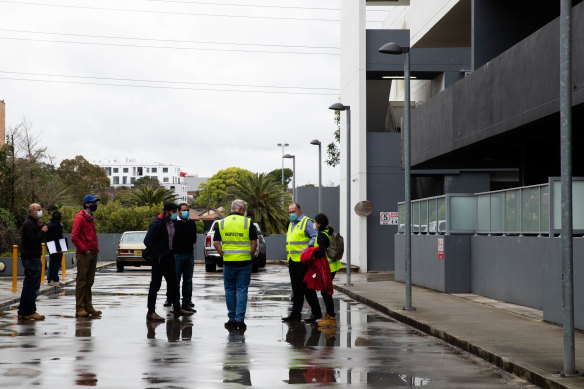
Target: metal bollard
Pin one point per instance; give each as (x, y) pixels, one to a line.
(14, 266)
(63, 271)
(42, 263)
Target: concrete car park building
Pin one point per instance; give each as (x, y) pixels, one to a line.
(485, 144)
(125, 173)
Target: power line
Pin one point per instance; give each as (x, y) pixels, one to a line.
(167, 87)
(243, 5)
(168, 12)
(166, 81)
(166, 40)
(163, 47)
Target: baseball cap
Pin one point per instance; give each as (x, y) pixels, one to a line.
(89, 198)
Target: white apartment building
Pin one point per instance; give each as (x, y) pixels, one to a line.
(125, 173)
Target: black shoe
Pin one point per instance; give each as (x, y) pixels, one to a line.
(240, 326)
(167, 303)
(189, 309)
(231, 325)
(312, 319)
(192, 305)
(291, 318)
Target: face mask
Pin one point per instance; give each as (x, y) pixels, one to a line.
(93, 207)
(39, 214)
(185, 214)
(173, 216)
(293, 217)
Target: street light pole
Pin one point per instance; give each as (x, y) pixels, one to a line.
(341, 107)
(394, 48)
(317, 142)
(283, 145)
(293, 174)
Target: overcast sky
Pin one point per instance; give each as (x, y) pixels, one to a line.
(209, 91)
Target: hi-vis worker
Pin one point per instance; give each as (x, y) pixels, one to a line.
(236, 239)
(301, 234)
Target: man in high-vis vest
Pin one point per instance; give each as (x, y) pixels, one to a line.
(236, 239)
(301, 234)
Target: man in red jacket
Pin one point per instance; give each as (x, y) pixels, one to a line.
(84, 238)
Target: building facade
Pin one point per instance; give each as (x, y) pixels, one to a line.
(125, 173)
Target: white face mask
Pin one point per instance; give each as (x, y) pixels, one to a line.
(39, 214)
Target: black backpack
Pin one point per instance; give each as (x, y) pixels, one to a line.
(336, 247)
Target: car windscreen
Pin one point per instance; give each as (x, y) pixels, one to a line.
(134, 237)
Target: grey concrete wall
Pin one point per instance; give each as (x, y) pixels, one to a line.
(385, 187)
(70, 262)
(518, 87)
(450, 275)
(307, 197)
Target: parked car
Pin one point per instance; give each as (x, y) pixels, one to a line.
(129, 251)
(213, 259)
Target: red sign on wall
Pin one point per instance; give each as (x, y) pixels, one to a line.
(441, 248)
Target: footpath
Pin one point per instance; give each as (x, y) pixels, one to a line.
(9, 298)
(512, 337)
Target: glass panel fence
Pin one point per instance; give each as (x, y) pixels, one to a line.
(441, 215)
(424, 216)
(400, 218)
(512, 211)
(432, 210)
(483, 213)
(462, 214)
(416, 217)
(497, 212)
(530, 210)
(545, 209)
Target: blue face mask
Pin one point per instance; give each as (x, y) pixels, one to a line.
(185, 214)
(293, 217)
(173, 216)
(93, 207)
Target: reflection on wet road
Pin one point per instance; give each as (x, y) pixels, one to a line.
(121, 350)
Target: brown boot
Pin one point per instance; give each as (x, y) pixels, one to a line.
(93, 312)
(34, 316)
(81, 313)
(181, 312)
(154, 317)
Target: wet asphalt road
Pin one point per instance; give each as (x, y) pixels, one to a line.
(120, 350)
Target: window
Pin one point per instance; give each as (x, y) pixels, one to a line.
(165, 179)
(132, 180)
(108, 171)
(116, 180)
(139, 171)
(125, 170)
(172, 188)
(164, 170)
(154, 170)
(147, 170)
(115, 170)
(124, 179)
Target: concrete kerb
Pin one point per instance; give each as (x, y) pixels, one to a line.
(51, 289)
(526, 373)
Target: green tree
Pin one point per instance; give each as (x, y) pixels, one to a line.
(333, 151)
(147, 195)
(147, 181)
(213, 192)
(276, 175)
(81, 177)
(8, 231)
(115, 217)
(264, 197)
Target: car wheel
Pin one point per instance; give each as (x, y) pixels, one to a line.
(262, 260)
(210, 267)
(254, 266)
(120, 267)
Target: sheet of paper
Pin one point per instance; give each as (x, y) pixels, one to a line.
(52, 247)
(63, 244)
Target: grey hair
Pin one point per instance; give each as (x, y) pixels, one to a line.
(32, 207)
(235, 204)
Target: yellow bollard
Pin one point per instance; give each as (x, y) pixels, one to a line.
(63, 271)
(14, 266)
(42, 263)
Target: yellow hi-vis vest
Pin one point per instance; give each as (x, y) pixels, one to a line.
(296, 239)
(335, 265)
(234, 230)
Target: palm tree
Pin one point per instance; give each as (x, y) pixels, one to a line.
(148, 195)
(264, 197)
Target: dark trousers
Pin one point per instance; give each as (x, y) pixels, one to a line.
(184, 264)
(54, 266)
(86, 264)
(30, 286)
(328, 299)
(163, 267)
(300, 291)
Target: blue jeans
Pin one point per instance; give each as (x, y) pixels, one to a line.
(236, 281)
(54, 266)
(184, 264)
(30, 286)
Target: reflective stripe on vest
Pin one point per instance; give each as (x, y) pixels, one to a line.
(335, 265)
(234, 230)
(296, 239)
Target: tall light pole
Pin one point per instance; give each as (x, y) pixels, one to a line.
(317, 142)
(283, 145)
(394, 48)
(293, 174)
(566, 185)
(341, 107)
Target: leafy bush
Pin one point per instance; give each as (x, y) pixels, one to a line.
(8, 232)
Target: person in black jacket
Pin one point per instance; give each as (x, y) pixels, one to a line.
(54, 233)
(185, 236)
(33, 235)
(159, 247)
